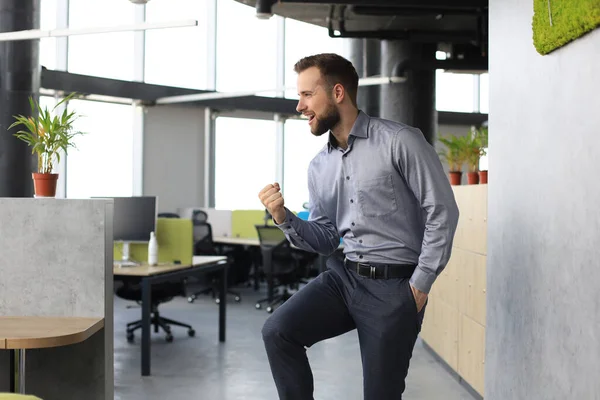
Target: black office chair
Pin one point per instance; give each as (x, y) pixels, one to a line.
(161, 293)
(281, 266)
(168, 215)
(204, 246)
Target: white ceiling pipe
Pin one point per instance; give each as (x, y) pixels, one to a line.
(40, 34)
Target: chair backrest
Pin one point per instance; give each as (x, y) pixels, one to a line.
(203, 240)
(270, 236)
(276, 251)
(168, 215)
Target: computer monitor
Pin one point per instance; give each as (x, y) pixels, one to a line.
(134, 218)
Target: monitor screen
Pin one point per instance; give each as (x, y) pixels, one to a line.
(134, 218)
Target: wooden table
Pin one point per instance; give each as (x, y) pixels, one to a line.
(21, 333)
(150, 275)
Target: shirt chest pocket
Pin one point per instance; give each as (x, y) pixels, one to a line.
(376, 197)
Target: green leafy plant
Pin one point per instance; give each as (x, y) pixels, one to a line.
(473, 151)
(48, 134)
(475, 147)
(454, 153)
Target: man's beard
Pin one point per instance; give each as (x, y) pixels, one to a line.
(327, 122)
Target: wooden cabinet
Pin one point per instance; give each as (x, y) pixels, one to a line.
(454, 325)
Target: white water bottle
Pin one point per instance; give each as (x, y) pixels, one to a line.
(152, 250)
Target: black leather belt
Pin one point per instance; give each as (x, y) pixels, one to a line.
(381, 271)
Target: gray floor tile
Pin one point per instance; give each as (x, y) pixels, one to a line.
(202, 368)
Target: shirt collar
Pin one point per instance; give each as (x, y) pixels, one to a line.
(359, 129)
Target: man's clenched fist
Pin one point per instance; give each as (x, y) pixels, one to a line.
(272, 199)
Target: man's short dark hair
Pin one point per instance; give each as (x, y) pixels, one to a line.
(334, 69)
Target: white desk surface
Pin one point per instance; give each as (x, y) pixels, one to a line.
(235, 240)
(147, 270)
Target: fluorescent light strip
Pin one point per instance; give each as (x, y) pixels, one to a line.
(39, 34)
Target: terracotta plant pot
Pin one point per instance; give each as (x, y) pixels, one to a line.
(455, 177)
(483, 177)
(44, 184)
(472, 178)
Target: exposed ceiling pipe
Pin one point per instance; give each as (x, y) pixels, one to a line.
(264, 8)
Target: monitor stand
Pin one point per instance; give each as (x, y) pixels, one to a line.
(125, 261)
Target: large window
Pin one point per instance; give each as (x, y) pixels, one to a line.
(300, 147)
(454, 92)
(108, 55)
(102, 163)
(245, 161)
(48, 45)
(246, 49)
(177, 56)
(484, 93)
(301, 40)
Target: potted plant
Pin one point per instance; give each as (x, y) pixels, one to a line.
(482, 132)
(454, 155)
(472, 155)
(48, 134)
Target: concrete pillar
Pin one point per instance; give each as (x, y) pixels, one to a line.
(411, 102)
(365, 54)
(19, 79)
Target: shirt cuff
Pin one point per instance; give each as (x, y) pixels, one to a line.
(287, 226)
(422, 280)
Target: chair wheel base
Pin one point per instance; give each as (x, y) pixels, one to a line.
(130, 337)
(191, 299)
(191, 333)
(237, 299)
(169, 338)
(269, 309)
(258, 306)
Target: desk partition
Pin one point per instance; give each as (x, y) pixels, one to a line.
(175, 243)
(57, 260)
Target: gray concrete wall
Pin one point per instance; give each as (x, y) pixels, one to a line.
(174, 156)
(57, 261)
(543, 309)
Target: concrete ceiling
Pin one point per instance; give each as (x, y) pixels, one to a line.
(456, 23)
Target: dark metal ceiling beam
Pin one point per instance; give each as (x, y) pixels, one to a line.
(414, 11)
(148, 93)
(84, 84)
(462, 4)
(412, 35)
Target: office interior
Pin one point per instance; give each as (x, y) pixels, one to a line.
(190, 106)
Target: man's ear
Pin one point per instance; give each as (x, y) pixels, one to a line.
(339, 93)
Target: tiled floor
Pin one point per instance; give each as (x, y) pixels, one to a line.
(202, 368)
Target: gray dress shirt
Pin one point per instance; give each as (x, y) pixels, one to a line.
(386, 195)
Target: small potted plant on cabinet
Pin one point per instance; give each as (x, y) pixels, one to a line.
(48, 135)
(472, 155)
(482, 132)
(454, 156)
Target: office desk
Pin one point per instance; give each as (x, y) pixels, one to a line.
(163, 273)
(21, 333)
(236, 241)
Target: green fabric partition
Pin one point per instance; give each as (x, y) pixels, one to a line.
(175, 242)
(558, 22)
(243, 221)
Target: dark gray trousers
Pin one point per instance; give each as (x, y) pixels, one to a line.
(383, 312)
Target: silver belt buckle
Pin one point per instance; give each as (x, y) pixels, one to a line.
(372, 272)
